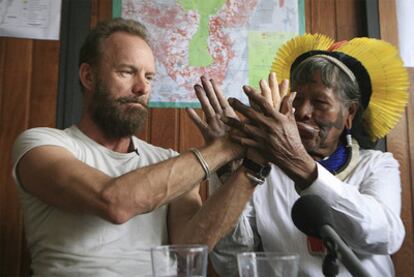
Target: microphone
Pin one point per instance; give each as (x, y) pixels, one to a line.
(312, 215)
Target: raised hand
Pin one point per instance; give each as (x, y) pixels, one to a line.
(215, 106)
(264, 123)
(275, 135)
(272, 92)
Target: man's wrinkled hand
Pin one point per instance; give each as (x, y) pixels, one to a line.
(214, 106)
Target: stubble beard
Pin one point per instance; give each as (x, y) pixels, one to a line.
(113, 116)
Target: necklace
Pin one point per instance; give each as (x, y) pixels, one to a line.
(339, 159)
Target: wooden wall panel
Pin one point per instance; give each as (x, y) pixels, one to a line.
(398, 143)
(28, 89)
(190, 136)
(320, 17)
(15, 90)
(44, 86)
(101, 10)
(350, 24)
(165, 127)
(339, 19)
(2, 73)
(408, 192)
(401, 143)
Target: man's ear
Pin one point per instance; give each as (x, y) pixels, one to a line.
(86, 76)
(352, 110)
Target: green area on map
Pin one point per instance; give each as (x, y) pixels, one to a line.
(262, 48)
(198, 48)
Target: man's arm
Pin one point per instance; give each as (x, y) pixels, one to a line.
(221, 211)
(56, 177)
(188, 224)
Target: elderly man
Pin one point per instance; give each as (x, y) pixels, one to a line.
(95, 197)
(356, 88)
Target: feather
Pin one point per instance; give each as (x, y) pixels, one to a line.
(387, 75)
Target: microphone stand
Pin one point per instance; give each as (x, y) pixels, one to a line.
(330, 267)
(312, 215)
(347, 257)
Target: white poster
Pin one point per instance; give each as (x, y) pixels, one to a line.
(36, 19)
(405, 9)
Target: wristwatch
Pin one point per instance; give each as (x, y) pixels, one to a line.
(256, 172)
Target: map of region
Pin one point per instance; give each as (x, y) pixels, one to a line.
(231, 41)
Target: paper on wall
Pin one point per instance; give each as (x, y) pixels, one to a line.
(36, 19)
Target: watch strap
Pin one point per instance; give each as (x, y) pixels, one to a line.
(256, 172)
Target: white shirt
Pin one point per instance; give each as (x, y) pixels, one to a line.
(365, 206)
(66, 244)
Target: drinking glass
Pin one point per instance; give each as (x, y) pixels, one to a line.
(267, 264)
(179, 260)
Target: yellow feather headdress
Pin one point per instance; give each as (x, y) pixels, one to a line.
(387, 78)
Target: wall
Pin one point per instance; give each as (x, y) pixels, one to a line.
(401, 142)
(28, 91)
(28, 83)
